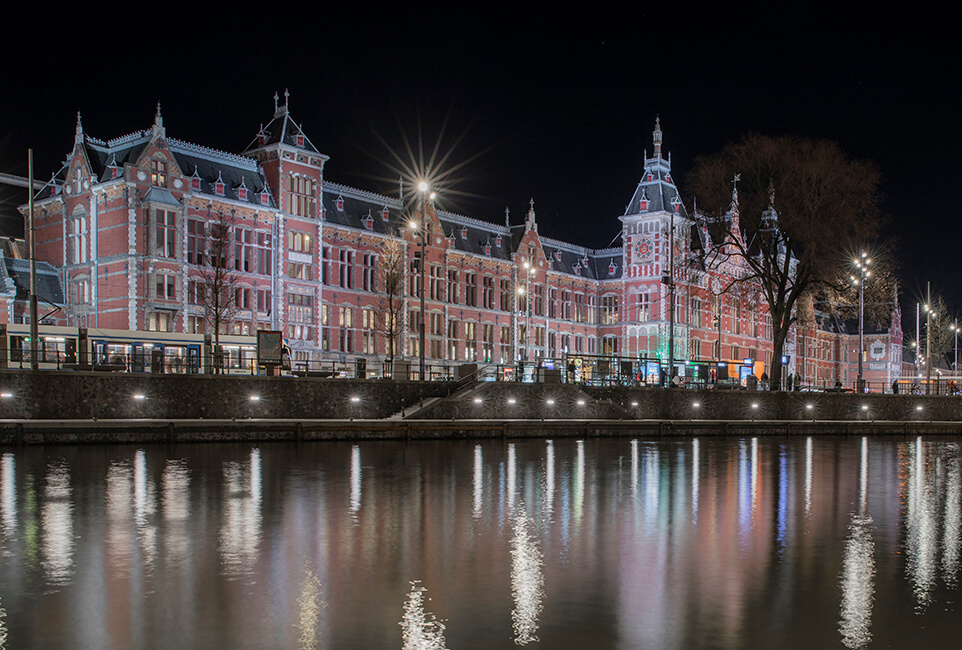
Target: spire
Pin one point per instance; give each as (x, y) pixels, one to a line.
(733, 208)
(770, 216)
(158, 127)
(507, 217)
(79, 133)
(529, 221)
(278, 109)
(656, 136)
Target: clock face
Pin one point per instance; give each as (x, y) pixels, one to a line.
(643, 249)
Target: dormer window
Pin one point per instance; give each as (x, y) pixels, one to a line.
(584, 261)
(219, 185)
(300, 139)
(497, 241)
(195, 183)
(242, 191)
(369, 222)
(340, 204)
(612, 268)
(557, 255)
(487, 249)
(464, 232)
(650, 177)
(385, 214)
(644, 205)
(668, 177)
(265, 197)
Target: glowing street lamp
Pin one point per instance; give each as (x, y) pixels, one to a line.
(422, 231)
(526, 292)
(955, 328)
(861, 264)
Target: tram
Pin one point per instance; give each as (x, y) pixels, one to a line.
(72, 348)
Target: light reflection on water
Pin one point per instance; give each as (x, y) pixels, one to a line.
(708, 542)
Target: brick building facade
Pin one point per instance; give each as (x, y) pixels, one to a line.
(129, 223)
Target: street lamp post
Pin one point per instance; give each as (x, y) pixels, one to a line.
(863, 274)
(423, 233)
(955, 329)
(528, 272)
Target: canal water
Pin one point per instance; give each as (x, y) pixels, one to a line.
(599, 543)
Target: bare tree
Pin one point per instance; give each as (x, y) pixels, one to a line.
(219, 276)
(940, 336)
(390, 311)
(797, 244)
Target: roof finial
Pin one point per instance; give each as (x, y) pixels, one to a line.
(507, 217)
(733, 209)
(771, 193)
(287, 99)
(79, 133)
(529, 221)
(656, 136)
(159, 123)
(400, 188)
(275, 101)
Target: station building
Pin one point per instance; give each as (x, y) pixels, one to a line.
(130, 225)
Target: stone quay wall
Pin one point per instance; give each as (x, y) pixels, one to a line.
(73, 407)
(88, 395)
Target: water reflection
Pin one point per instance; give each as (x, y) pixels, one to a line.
(609, 543)
(176, 508)
(56, 523)
(478, 479)
(355, 480)
(952, 537)
(857, 578)
(309, 605)
(8, 495)
(240, 532)
(420, 629)
(527, 581)
(3, 628)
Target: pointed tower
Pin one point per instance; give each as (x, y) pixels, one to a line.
(654, 209)
(293, 166)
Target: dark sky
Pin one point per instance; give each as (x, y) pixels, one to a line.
(552, 103)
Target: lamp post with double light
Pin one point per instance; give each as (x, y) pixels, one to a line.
(422, 230)
(525, 291)
(863, 273)
(955, 330)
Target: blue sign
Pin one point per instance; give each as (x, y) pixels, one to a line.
(748, 362)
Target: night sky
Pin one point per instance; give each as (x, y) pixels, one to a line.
(555, 104)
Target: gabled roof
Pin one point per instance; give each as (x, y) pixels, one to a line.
(656, 191)
(282, 130)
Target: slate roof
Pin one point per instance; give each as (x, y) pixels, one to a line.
(361, 208)
(658, 187)
(49, 289)
(210, 165)
(282, 130)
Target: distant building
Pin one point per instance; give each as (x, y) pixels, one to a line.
(129, 223)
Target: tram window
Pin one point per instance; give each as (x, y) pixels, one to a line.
(17, 348)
